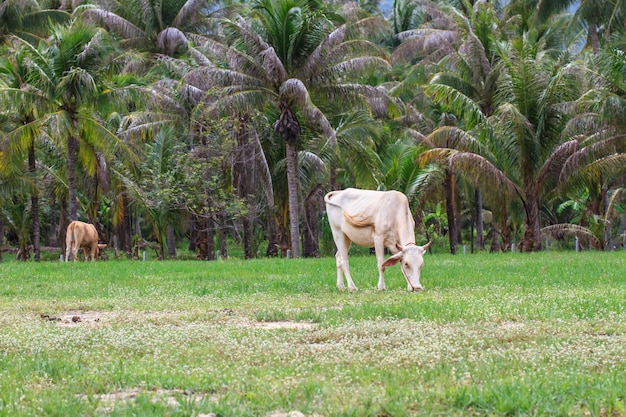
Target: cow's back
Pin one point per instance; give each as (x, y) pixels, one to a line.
(362, 213)
(83, 234)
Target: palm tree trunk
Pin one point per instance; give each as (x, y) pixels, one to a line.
(478, 204)
(210, 236)
(52, 237)
(292, 186)
(505, 229)
(272, 234)
(495, 243)
(532, 237)
(63, 223)
(171, 242)
(72, 152)
(193, 233)
(1, 238)
(247, 236)
(448, 186)
(312, 212)
(34, 206)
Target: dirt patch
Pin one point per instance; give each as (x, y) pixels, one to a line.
(171, 397)
(76, 318)
(293, 414)
(512, 325)
(284, 325)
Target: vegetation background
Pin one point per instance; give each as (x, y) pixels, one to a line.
(217, 121)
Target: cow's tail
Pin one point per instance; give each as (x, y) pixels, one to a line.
(358, 220)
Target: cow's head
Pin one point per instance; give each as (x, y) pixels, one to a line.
(99, 247)
(411, 258)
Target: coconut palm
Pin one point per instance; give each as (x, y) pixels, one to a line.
(462, 86)
(27, 20)
(284, 57)
(70, 72)
(23, 133)
(162, 27)
(598, 163)
(529, 121)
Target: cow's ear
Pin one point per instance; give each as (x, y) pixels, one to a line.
(101, 246)
(392, 260)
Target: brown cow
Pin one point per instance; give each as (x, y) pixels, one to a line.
(84, 236)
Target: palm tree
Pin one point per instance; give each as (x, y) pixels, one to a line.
(69, 71)
(27, 20)
(463, 84)
(598, 163)
(529, 119)
(24, 132)
(292, 57)
(162, 27)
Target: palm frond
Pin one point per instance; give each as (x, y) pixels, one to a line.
(114, 23)
(419, 138)
(457, 102)
(236, 100)
(481, 172)
(454, 138)
(294, 91)
(356, 65)
(319, 56)
(206, 78)
(189, 13)
(19, 139)
(595, 160)
(554, 164)
(608, 168)
(559, 230)
(423, 43)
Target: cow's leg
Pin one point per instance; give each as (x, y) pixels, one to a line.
(379, 246)
(341, 257)
(75, 249)
(339, 271)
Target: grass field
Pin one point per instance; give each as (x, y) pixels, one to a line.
(503, 334)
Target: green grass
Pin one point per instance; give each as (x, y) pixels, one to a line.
(497, 335)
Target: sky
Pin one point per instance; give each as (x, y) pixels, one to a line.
(386, 5)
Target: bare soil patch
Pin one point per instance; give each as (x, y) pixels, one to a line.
(284, 325)
(108, 401)
(76, 318)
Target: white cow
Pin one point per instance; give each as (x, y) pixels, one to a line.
(381, 219)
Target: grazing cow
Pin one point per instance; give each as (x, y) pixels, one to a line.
(84, 236)
(381, 219)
